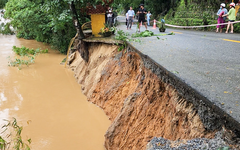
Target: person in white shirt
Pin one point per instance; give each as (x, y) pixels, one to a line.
(130, 16)
(148, 18)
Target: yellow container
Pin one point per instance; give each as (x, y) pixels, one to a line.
(98, 21)
(237, 8)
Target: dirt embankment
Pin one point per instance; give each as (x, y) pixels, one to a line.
(139, 104)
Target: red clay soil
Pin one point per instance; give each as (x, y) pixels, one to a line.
(137, 102)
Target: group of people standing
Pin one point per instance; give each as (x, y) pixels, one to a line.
(223, 14)
(141, 17)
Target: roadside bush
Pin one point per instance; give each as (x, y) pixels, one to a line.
(48, 21)
(5, 29)
(185, 21)
(2, 3)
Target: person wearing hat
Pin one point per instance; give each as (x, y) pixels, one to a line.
(222, 11)
(141, 12)
(231, 17)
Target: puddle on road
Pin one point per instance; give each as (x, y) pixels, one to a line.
(47, 95)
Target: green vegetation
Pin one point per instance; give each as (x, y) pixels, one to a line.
(123, 37)
(2, 3)
(145, 33)
(49, 21)
(157, 7)
(13, 138)
(148, 33)
(23, 51)
(27, 56)
(107, 30)
(196, 13)
(180, 12)
(5, 29)
(53, 21)
(223, 148)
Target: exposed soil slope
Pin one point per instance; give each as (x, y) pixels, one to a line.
(137, 102)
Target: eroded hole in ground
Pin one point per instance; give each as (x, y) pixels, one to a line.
(140, 105)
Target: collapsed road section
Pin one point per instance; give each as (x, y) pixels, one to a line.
(143, 100)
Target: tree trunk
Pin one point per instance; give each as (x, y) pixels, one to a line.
(76, 21)
(82, 46)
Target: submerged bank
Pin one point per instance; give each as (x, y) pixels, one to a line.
(143, 100)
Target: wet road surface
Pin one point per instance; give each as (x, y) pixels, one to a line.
(207, 61)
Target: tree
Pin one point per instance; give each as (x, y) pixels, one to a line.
(76, 20)
(155, 6)
(50, 21)
(2, 3)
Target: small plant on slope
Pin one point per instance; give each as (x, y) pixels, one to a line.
(124, 37)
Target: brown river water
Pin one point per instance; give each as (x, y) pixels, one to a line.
(47, 101)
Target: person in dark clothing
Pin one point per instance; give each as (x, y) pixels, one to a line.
(113, 16)
(109, 18)
(126, 18)
(141, 16)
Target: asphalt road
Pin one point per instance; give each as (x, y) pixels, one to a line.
(207, 61)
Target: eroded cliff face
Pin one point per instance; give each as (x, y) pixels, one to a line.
(139, 104)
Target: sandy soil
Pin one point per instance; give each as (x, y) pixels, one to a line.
(137, 102)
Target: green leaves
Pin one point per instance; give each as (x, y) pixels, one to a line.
(27, 56)
(121, 35)
(148, 33)
(23, 51)
(14, 133)
(223, 148)
(48, 21)
(145, 33)
(3, 143)
(5, 28)
(2, 3)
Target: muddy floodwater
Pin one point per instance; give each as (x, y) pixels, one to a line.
(47, 101)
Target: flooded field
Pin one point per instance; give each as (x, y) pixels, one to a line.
(46, 95)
